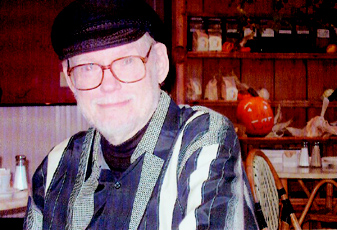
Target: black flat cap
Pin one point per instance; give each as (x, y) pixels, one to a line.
(90, 25)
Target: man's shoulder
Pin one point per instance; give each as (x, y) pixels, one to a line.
(204, 122)
(56, 153)
(68, 142)
(207, 113)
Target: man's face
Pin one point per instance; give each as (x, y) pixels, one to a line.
(119, 110)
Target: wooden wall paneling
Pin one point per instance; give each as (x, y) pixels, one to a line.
(158, 6)
(259, 8)
(313, 112)
(316, 79)
(331, 114)
(328, 150)
(298, 115)
(290, 84)
(179, 30)
(194, 69)
(221, 7)
(194, 7)
(258, 73)
(321, 76)
(230, 7)
(290, 80)
(29, 66)
(228, 66)
(290, 6)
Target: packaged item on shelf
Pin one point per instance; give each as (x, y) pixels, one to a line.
(267, 42)
(200, 41)
(214, 34)
(211, 92)
(229, 92)
(232, 30)
(304, 39)
(198, 37)
(322, 38)
(332, 47)
(285, 37)
(194, 89)
(252, 41)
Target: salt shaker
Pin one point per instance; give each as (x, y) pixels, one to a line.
(20, 181)
(304, 155)
(316, 156)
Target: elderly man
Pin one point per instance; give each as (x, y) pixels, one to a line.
(146, 163)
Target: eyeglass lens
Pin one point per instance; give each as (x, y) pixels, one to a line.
(128, 69)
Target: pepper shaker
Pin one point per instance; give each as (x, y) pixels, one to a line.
(316, 156)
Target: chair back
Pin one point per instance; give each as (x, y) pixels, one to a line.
(267, 190)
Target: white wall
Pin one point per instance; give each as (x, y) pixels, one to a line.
(34, 130)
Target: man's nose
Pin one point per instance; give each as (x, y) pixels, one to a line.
(109, 83)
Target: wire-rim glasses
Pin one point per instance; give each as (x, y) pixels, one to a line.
(128, 69)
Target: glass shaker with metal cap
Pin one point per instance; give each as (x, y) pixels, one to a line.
(304, 155)
(20, 180)
(316, 156)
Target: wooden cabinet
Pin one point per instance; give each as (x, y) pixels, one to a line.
(295, 81)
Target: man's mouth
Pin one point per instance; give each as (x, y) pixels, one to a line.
(113, 104)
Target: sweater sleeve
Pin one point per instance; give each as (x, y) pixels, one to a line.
(34, 214)
(213, 191)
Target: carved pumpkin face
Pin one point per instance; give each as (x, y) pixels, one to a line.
(256, 115)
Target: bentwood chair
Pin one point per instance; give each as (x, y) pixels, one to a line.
(267, 191)
(327, 214)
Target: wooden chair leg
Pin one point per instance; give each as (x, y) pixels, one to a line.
(307, 192)
(313, 195)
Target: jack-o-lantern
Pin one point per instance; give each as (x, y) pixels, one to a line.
(256, 115)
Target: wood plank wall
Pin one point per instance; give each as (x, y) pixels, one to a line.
(30, 70)
(297, 81)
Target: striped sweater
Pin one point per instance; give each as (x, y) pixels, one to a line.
(185, 173)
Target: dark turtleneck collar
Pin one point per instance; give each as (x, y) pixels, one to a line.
(118, 157)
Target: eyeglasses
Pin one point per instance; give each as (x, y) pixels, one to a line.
(129, 69)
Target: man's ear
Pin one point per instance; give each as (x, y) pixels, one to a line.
(65, 72)
(162, 62)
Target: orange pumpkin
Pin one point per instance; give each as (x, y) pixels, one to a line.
(256, 115)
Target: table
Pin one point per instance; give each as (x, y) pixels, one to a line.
(299, 173)
(14, 205)
(328, 144)
(305, 173)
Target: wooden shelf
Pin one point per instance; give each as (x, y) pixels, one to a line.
(243, 55)
(286, 140)
(285, 103)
